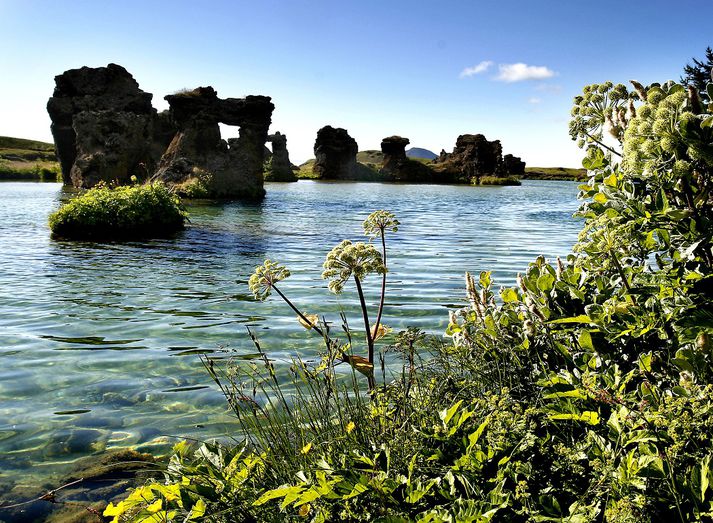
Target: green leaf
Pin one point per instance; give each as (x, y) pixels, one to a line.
(485, 279)
(601, 198)
(446, 415)
(585, 340)
(509, 295)
(582, 318)
(545, 282)
(279, 492)
(587, 416)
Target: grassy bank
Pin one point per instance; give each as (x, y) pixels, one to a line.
(555, 173)
(28, 160)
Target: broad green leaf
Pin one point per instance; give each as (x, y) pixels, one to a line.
(509, 295)
(585, 340)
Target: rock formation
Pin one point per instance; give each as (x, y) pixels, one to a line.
(474, 156)
(278, 167)
(198, 154)
(105, 129)
(401, 168)
(335, 154)
(512, 165)
(102, 125)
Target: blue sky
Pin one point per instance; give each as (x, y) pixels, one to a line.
(376, 68)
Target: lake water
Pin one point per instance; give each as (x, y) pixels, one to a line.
(100, 343)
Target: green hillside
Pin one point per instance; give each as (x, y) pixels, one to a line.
(30, 160)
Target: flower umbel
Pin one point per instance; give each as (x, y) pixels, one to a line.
(347, 259)
(380, 221)
(265, 277)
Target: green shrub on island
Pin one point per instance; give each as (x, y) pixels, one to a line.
(126, 212)
(498, 180)
(584, 394)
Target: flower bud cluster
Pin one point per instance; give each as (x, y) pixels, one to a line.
(264, 277)
(351, 259)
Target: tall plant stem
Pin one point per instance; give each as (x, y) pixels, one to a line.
(365, 314)
(304, 318)
(383, 284)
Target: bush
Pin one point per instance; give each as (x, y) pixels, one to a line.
(103, 213)
(499, 180)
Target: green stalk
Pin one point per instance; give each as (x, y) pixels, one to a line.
(365, 315)
(383, 284)
(304, 318)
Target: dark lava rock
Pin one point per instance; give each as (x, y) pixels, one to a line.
(232, 169)
(475, 156)
(335, 154)
(102, 124)
(279, 167)
(513, 165)
(401, 168)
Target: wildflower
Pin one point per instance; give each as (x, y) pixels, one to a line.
(378, 222)
(306, 448)
(351, 259)
(265, 277)
(350, 427)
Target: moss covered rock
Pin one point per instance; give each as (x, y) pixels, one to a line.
(127, 212)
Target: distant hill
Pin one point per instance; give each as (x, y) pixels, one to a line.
(417, 152)
(8, 142)
(370, 156)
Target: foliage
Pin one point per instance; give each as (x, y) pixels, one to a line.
(30, 171)
(104, 213)
(583, 394)
(498, 180)
(555, 173)
(195, 187)
(699, 74)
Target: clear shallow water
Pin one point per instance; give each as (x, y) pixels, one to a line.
(99, 343)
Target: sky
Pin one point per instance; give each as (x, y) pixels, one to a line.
(426, 70)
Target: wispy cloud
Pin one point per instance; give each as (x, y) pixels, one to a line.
(534, 100)
(521, 72)
(476, 69)
(549, 88)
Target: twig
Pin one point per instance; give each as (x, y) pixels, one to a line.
(49, 496)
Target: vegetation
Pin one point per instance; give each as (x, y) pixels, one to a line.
(28, 160)
(555, 173)
(498, 180)
(581, 395)
(698, 74)
(104, 213)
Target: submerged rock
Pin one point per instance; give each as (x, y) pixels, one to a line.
(335, 154)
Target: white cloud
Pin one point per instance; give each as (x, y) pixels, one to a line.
(534, 100)
(476, 69)
(521, 72)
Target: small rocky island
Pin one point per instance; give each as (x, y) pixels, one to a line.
(474, 160)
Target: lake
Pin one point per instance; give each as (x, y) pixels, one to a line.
(100, 343)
